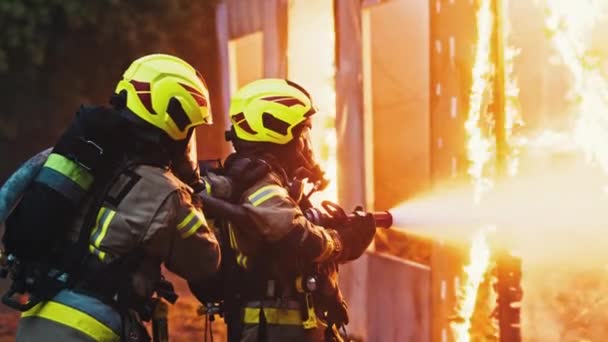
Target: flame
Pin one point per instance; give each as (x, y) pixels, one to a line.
(479, 145)
(311, 64)
(513, 116)
(481, 148)
(475, 271)
(570, 24)
(480, 151)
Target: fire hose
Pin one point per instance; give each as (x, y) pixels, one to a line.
(332, 215)
(335, 216)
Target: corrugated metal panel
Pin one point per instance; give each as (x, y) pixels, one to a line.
(245, 16)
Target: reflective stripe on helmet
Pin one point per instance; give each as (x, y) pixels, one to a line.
(265, 193)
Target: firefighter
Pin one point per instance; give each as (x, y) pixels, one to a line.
(279, 253)
(146, 218)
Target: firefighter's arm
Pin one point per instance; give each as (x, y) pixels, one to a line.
(186, 243)
(280, 221)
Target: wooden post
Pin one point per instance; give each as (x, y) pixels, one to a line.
(509, 291)
(210, 139)
(508, 267)
(275, 38)
(350, 149)
(220, 89)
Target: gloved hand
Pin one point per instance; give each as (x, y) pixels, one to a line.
(329, 297)
(229, 183)
(356, 235)
(338, 314)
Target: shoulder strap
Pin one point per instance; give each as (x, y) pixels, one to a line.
(100, 188)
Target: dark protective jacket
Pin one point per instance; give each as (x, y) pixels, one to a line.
(149, 210)
(273, 253)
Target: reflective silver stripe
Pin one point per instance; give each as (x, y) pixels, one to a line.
(61, 183)
(92, 307)
(265, 193)
(105, 213)
(191, 223)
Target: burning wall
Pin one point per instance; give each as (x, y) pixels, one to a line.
(562, 156)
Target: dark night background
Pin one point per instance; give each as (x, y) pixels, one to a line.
(58, 54)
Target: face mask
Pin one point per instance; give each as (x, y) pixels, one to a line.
(305, 160)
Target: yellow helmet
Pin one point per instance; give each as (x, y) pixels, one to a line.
(166, 92)
(267, 110)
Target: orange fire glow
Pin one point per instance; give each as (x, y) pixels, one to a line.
(311, 64)
(479, 145)
(475, 271)
(513, 116)
(480, 151)
(570, 24)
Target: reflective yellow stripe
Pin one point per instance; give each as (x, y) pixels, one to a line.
(273, 316)
(74, 319)
(70, 169)
(104, 228)
(104, 217)
(311, 321)
(99, 215)
(186, 220)
(232, 237)
(192, 230)
(191, 223)
(241, 260)
(207, 187)
(265, 193)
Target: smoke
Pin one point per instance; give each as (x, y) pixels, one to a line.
(552, 215)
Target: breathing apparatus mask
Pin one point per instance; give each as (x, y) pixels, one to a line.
(302, 167)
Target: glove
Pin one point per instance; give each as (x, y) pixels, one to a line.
(357, 235)
(328, 296)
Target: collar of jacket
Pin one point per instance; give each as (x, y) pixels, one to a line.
(275, 165)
